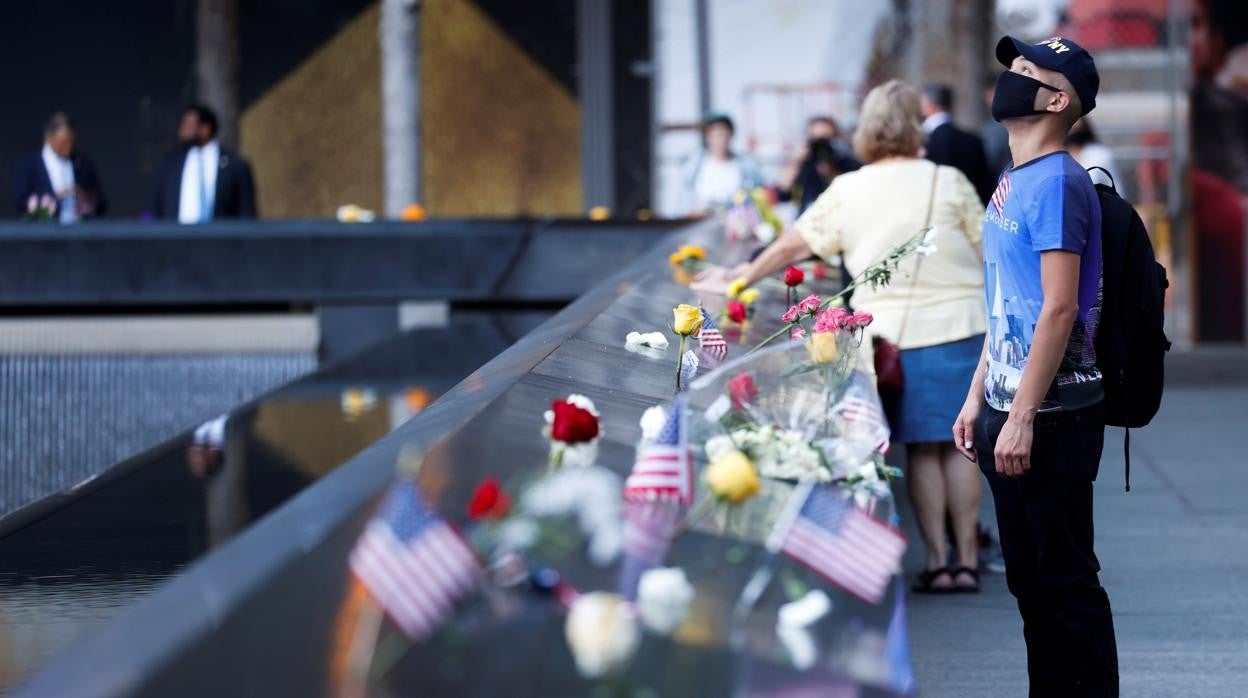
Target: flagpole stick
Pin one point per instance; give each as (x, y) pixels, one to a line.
(360, 655)
(762, 576)
(738, 637)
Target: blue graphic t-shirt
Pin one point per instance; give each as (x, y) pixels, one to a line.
(1046, 204)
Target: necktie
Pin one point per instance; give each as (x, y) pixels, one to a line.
(205, 212)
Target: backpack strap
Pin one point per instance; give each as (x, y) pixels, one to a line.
(1126, 453)
(1126, 442)
(1112, 184)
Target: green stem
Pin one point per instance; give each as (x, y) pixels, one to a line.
(388, 652)
(695, 515)
(680, 358)
(891, 258)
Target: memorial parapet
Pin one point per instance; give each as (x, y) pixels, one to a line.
(276, 610)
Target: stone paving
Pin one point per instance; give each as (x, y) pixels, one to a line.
(1174, 553)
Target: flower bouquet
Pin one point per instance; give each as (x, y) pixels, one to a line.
(41, 208)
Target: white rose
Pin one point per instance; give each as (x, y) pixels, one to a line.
(656, 340)
(806, 610)
(663, 597)
(800, 645)
(582, 402)
(652, 422)
(602, 633)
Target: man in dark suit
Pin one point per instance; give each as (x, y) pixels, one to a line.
(949, 145)
(202, 181)
(58, 182)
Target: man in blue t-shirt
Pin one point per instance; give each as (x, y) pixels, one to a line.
(1033, 418)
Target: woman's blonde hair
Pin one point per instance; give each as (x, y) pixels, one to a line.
(890, 123)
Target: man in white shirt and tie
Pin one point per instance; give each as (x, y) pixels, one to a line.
(57, 183)
(201, 181)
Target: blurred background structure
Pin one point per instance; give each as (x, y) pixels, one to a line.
(426, 170)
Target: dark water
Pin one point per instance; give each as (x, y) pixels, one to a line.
(66, 418)
(67, 574)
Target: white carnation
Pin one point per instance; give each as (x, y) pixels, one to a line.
(663, 598)
(652, 422)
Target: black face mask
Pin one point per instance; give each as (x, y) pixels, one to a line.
(1015, 96)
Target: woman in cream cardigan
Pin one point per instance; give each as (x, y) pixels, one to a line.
(936, 316)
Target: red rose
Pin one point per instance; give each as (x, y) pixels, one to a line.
(793, 276)
(742, 389)
(736, 311)
(572, 424)
(821, 271)
(489, 501)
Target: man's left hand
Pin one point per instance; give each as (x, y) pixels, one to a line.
(1013, 451)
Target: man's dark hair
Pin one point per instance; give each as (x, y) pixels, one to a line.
(940, 94)
(205, 115)
(1228, 19)
(56, 122)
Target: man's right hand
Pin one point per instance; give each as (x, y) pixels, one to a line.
(964, 429)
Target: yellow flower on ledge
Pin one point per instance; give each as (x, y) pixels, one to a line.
(736, 288)
(748, 296)
(732, 477)
(822, 347)
(688, 318)
(686, 253)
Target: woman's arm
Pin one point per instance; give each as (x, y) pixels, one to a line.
(791, 248)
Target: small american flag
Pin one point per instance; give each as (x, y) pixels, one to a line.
(711, 340)
(860, 414)
(648, 529)
(413, 563)
(844, 545)
(664, 468)
(1002, 193)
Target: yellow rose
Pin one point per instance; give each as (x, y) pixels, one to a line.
(748, 296)
(736, 287)
(599, 213)
(692, 252)
(822, 347)
(688, 319)
(732, 477)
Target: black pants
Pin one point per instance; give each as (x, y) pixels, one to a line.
(1045, 521)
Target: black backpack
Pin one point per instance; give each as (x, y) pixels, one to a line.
(1131, 342)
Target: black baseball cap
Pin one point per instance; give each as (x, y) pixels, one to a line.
(1060, 54)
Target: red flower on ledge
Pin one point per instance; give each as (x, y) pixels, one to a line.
(489, 501)
(743, 390)
(572, 424)
(793, 276)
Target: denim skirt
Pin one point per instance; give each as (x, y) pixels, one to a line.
(936, 381)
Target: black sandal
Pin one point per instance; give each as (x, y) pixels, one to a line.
(923, 583)
(964, 588)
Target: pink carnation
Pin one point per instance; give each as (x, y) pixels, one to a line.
(861, 319)
(809, 305)
(831, 320)
(790, 315)
(797, 332)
